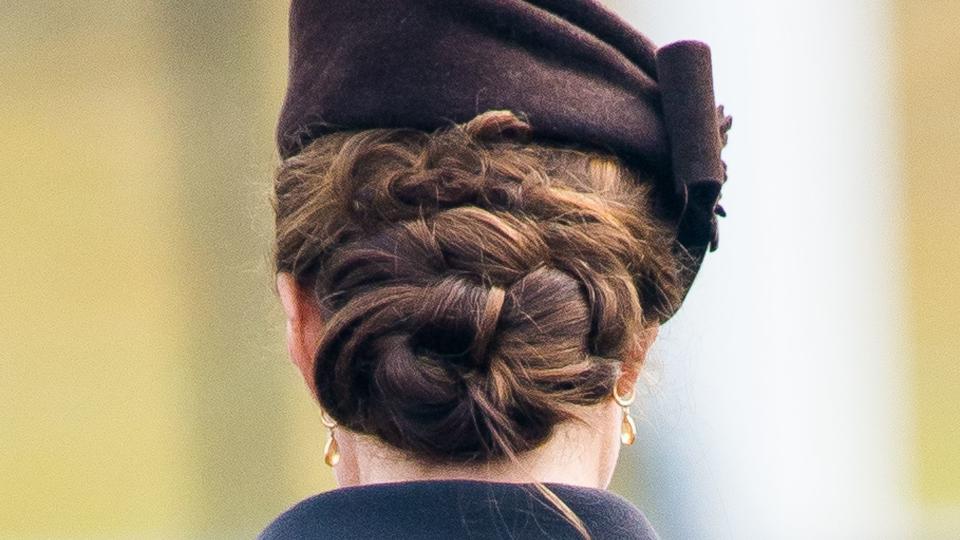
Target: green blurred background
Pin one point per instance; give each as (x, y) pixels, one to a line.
(145, 390)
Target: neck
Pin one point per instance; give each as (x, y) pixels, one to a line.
(577, 453)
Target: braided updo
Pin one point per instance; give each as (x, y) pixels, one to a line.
(474, 284)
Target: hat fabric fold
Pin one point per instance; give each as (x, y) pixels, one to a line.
(576, 70)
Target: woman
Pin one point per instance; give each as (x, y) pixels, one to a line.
(485, 210)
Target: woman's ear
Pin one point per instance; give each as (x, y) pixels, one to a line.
(649, 336)
(631, 366)
(304, 326)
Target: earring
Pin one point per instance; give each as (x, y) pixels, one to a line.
(628, 429)
(331, 452)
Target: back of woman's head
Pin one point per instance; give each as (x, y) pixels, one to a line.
(475, 285)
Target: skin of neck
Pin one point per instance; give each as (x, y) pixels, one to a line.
(577, 453)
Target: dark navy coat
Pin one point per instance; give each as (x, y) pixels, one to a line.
(461, 509)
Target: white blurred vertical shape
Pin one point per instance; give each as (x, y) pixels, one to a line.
(781, 408)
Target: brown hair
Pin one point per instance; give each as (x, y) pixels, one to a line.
(474, 284)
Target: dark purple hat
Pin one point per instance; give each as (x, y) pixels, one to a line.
(577, 71)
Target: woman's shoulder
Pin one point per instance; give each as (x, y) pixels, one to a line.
(458, 509)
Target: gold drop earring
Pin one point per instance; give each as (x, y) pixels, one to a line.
(628, 429)
(331, 452)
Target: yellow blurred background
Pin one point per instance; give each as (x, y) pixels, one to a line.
(145, 390)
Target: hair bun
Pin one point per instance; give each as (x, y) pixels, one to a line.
(472, 293)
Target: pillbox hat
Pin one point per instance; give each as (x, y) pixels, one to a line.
(573, 68)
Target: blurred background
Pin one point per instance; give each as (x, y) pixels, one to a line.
(810, 387)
